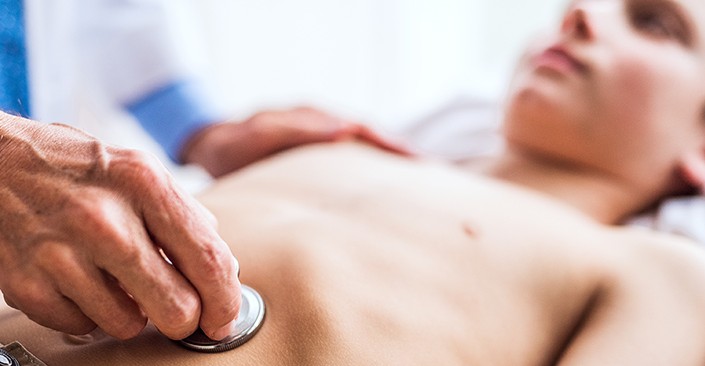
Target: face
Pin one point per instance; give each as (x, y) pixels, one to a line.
(619, 88)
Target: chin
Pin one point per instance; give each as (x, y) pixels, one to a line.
(531, 103)
(540, 120)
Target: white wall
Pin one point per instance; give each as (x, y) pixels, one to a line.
(382, 61)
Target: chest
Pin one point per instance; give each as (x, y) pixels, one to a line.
(437, 270)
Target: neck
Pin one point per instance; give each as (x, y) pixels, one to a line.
(604, 197)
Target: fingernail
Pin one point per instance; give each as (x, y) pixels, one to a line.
(224, 331)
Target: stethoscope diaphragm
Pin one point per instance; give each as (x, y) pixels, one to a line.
(247, 324)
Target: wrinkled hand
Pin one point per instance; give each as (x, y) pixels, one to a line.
(81, 228)
(226, 147)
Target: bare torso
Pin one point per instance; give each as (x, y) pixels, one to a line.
(367, 258)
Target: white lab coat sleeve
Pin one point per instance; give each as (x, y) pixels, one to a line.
(147, 56)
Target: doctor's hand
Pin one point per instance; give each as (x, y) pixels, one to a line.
(81, 229)
(226, 147)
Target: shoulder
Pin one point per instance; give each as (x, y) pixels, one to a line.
(647, 308)
(647, 254)
(655, 267)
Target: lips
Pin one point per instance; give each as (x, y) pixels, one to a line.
(557, 58)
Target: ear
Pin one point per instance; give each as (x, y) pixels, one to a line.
(692, 168)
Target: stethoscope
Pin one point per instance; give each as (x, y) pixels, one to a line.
(248, 322)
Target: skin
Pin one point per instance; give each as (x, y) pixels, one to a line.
(364, 257)
(226, 147)
(80, 237)
(573, 138)
(84, 224)
(623, 119)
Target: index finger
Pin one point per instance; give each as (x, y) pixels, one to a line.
(185, 234)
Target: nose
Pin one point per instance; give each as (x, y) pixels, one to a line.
(576, 22)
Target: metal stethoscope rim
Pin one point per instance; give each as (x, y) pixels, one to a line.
(249, 321)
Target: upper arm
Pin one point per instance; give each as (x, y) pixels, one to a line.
(648, 310)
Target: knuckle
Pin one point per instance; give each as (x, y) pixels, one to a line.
(128, 255)
(137, 158)
(55, 258)
(217, 263)
(125, 254)
(137, 167)
(90, 208)
(98, 220)
(184, 312)
(100, 229)
(182, 317)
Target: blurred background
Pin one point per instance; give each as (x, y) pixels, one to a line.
(392, 64)
(385, 62)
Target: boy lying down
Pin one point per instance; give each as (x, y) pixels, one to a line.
(364, 257)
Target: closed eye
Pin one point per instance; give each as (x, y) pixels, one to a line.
(660, 19)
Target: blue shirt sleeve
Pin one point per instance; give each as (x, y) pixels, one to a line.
(172, 113)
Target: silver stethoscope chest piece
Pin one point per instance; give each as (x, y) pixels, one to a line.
(247, 324)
